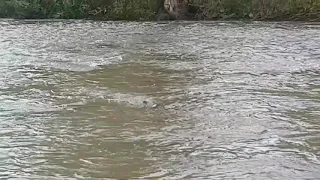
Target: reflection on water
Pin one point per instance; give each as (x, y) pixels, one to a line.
(176, 100)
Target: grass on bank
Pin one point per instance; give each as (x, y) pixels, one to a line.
(147, 9)
(80, 9)
(40, 9)
(257, 9)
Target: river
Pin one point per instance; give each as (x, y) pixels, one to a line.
(169, 100)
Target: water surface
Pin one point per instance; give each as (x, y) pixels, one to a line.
(172, 100)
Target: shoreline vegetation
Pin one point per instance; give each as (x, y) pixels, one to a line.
(148, 10)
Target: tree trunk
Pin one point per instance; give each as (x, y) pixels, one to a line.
(176, 8)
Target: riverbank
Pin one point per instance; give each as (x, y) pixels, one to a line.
(292, 10)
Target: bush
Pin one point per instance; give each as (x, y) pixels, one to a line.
(79, 9)
(129, 10)
(258, 9)
(35, 9)
(147, 9)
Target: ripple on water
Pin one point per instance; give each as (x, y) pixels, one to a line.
(235, 100)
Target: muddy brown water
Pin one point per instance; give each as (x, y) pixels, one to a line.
(233, 100)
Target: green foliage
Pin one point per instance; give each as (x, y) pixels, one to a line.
(34, 9)
(130, 10)
(258, 9)
(147, 9)
(78, 9)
